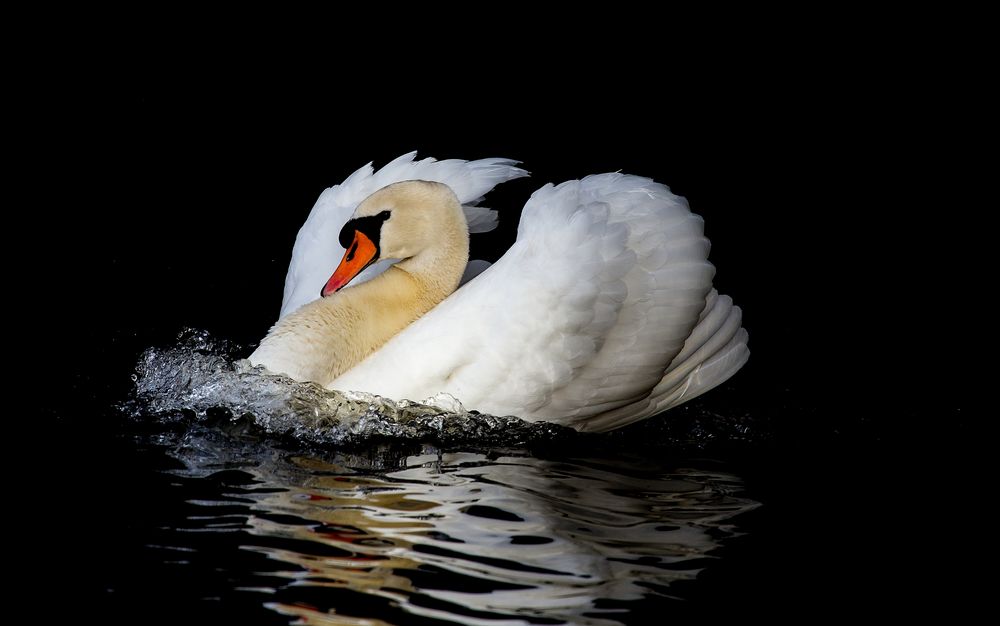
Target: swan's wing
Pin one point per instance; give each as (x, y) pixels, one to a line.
(582, 318)
(473, 268)
(317, 249)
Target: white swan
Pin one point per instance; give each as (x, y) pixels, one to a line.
(602, 313)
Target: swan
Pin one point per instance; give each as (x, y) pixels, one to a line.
(602, 313)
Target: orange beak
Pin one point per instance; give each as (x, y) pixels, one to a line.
(360, 254)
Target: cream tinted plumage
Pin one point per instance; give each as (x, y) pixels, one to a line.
(317, 249)
(602, 313)
(420, 223)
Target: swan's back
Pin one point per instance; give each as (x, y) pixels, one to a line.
(602, 313)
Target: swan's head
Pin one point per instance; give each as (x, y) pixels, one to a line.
(398, 221)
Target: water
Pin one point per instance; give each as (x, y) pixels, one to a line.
(212, 493)
(200, 374)
(256, 499)
(397, 534)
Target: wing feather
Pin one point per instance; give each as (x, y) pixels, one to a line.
(600, 314)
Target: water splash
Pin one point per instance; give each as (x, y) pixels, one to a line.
(201, 374)
(416, 511)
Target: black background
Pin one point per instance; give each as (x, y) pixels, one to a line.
(173, 201)
(168, 198)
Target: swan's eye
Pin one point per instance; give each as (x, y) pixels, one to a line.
(370, 226)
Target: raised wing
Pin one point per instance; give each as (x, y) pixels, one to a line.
(583, 317)
(317, 250)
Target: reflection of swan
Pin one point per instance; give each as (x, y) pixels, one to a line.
(459, 536)
(601, 314)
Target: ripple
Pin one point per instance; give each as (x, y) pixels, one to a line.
(452, 535)
(365, 510)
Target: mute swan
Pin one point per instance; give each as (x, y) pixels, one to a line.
(602, 313)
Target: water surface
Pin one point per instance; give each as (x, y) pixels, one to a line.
(396, 534)
(256, 499)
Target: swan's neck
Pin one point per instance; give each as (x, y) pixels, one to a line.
(327, 337)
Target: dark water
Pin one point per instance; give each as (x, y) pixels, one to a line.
(419, 535)
(281, 501)
(203, 492)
